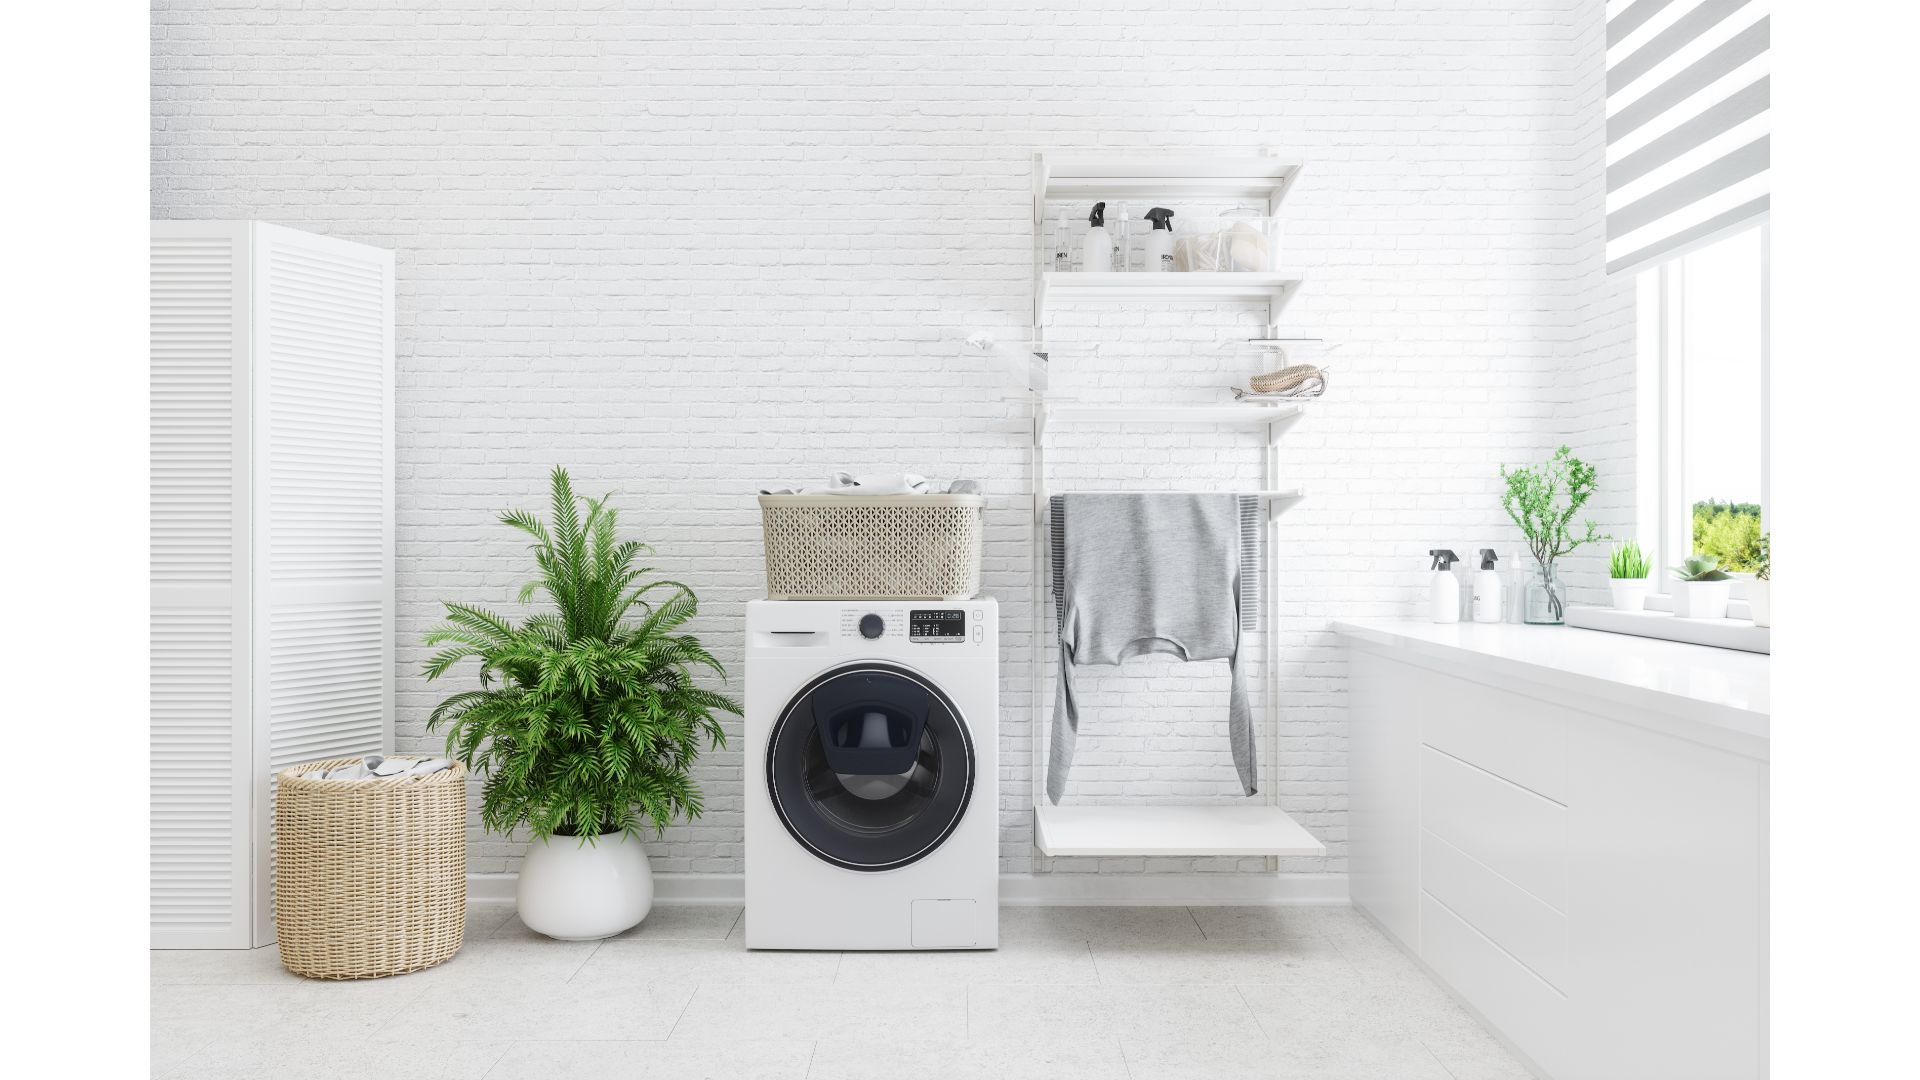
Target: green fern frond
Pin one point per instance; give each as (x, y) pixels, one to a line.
(586, 721)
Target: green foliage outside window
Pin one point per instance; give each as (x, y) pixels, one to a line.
(1730, 532)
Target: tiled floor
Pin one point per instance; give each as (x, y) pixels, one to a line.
(1167, 993)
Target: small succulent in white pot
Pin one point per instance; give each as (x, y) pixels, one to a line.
(1760, 589)
(1629, 568)
(1703, 588)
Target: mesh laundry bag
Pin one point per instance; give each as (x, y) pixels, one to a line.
(370, 876)
(884, 547)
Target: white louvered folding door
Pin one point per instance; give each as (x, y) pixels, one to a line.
(272, 548)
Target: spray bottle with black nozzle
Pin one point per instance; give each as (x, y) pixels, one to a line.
(1160, 240)
(1443, 588)
(1096, 252)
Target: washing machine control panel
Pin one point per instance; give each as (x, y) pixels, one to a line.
(936, 625)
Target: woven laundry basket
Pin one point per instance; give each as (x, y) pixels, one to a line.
(370, 876)
(881, 547)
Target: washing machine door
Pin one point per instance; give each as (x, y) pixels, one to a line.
(870, 767)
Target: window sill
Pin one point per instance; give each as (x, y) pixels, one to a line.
(1735, 632)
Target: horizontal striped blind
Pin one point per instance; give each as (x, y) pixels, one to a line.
(1687, 132)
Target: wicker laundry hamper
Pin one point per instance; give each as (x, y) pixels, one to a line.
(879, 547)
(370, 876)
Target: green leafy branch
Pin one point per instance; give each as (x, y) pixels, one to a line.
(1543, 500)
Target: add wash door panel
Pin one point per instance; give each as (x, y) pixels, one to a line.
(1594, 889)
(271, 548)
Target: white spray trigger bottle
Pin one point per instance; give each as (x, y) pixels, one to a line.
(1096, 253)
(1443, 588)
(1486, 589)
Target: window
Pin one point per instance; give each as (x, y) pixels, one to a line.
(1703, 348)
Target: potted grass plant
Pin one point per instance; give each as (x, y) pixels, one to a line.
(1543, 501)
(1760, 589)
(1702, 589)
(1628, 569)
(587, 719)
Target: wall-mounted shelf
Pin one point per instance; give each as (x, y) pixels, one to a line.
(1202, 829)
(1254, 827)
(1152, 176)
(1273, 289)
(1068, 412)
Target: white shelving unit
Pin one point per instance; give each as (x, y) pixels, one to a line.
(1242, 828)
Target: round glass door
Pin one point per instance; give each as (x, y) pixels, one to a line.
(870, 767)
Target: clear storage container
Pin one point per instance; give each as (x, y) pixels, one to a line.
(1232, 241)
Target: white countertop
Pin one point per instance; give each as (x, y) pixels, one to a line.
(1716, 696)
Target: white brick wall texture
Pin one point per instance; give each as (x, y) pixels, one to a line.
(685, 249)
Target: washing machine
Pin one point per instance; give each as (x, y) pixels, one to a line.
(871, 756)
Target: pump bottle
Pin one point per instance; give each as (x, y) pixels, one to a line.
(1443, 588)
(1486, 589)
(1061, 259)
(1096, 253)
(1159, 240)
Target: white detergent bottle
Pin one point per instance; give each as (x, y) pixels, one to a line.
(1443, 588)
(1486, 589)
(1096, 252)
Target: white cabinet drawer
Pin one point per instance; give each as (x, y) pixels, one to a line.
(1514, 832)
(1510, 917)
(1512, 737)
(1524, 1008)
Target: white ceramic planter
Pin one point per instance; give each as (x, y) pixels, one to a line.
(578, 891)
(1701, 599)
(1629, 594)
(1760, 599)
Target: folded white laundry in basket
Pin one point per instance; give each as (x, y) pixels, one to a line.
(379, 767)
(845, 483)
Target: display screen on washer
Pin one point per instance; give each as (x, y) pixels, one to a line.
(937, 626)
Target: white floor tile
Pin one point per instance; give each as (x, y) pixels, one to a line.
(1039, 1013)
(542, 1010)
(704, 962)
(684, 921)
(1108, 924)
(718, 1060)
(1255, 960)
(1056, 963)
(1091, 993)
(891, 1058)
(1269, 922)
(1185, 1059)
(229, 967)
(731, 1013)
(459, 1059)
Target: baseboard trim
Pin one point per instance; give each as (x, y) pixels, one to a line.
(1027, 890)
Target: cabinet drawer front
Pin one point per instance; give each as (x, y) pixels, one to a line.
(1507, 915)
(1524, 1009)
(1510, 736)
(1515, 833)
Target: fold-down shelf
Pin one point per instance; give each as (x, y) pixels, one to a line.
(1206, 829)
(1226, 414)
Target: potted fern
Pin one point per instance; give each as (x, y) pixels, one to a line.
(587, 720)
(1702, 588)
(1628, 569)
(1760, 589)
(1543, 500)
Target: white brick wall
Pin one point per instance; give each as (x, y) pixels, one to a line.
(684, 249)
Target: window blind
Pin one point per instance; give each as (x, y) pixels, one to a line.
(1687, 149)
